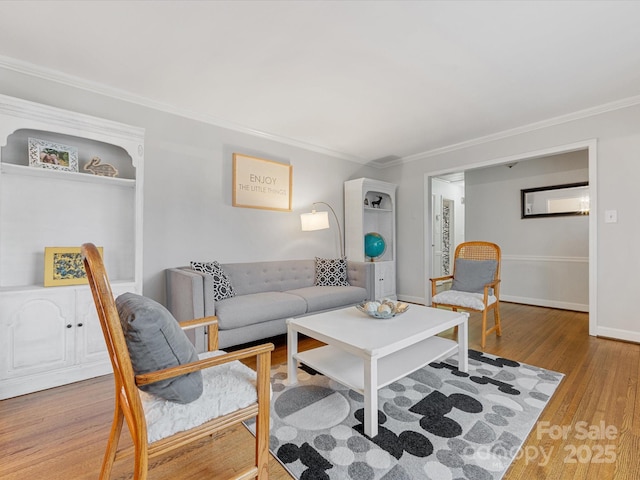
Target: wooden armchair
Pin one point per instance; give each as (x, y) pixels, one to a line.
(476, 283)
(130, 401)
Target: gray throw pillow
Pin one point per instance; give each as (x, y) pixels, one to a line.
(156, 341)
(473, 275)
(331, 272)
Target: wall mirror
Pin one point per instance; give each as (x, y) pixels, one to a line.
(556, 200)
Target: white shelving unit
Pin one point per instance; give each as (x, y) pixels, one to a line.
(51, 336)
(370, 206)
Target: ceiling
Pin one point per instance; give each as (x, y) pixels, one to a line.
(368, 81)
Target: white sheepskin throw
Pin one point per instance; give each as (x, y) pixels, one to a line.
(462, 299)
(227, 388)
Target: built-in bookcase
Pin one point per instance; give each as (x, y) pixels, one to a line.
(370, 206)
(50, 336)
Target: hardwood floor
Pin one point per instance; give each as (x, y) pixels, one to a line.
(61, 433)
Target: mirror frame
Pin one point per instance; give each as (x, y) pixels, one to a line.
(523, 194)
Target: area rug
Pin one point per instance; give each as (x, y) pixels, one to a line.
(436, 423)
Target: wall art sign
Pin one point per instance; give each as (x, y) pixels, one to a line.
(259, 183)
(64, 266)
(55, 156)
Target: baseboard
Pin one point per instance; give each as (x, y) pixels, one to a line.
(538, 302)
(410, 299)
(541, 302)
(618, 334)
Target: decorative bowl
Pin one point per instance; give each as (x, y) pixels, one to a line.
(382, 309)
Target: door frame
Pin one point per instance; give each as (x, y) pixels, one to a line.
(590, 146)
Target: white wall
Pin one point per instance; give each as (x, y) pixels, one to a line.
(545, 259)
(188, 178)
(618, 169)
(188, 211)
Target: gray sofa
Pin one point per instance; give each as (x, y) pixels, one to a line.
(267, 293)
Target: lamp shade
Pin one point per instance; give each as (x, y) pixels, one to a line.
(314, 221)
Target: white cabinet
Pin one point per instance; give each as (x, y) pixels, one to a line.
(385, 280)
(50, 336)
(370, 207)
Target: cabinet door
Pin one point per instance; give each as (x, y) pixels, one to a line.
(90, 340)
(37, 332)
(91, 347)
(385, 280)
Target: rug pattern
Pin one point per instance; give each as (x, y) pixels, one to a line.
(436, 423)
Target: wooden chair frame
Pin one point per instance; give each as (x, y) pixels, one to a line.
(128, 405)
(477, 250)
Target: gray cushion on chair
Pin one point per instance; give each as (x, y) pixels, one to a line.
(473, 275)
(155, 341)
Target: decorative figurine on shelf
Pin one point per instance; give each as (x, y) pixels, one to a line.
(96, 167)
(366, 202)
(376, 203)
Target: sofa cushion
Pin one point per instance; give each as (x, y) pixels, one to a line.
(331, 272)
(473, 275)
(222, 287)
(260, 307)
(272, 276)
(155, 341)
(323, 298)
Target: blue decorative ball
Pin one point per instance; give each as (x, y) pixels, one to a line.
(374, 245)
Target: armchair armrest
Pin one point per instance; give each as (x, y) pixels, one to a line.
(211, 326)
(262, 352)
(492, 285)
(435, 280)
(360, 274)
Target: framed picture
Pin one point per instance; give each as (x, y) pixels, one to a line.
(55, 156)
(556, 200)
(259, 183)
(64, 266)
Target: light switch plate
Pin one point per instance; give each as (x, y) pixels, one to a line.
(610, 216)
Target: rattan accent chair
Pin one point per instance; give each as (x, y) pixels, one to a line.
(129, 399)
(484, 295)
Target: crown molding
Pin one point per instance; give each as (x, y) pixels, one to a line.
(570, 117)
(106, 90)
(102, 89)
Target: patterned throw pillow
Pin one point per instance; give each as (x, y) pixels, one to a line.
(331, 272)
(222, 287)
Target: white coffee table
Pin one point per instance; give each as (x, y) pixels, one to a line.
(366, 354)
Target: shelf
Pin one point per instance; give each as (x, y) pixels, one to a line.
(348, 369)
(10, 168)
(26, 288)
(370, 209)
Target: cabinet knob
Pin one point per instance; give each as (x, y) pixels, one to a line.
(80, 324)
(69, 325)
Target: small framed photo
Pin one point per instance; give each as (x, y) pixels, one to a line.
(64, 266)
(55, 156)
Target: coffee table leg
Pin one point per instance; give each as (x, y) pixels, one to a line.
(292, 351)
(463, 345)
(371, 397)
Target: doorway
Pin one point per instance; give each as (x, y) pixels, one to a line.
(589, 148)
(447, 221)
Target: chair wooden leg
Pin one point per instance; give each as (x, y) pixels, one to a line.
(262, 420)
(496, 315)
(112, 445)
(484, 329)
(455, 329)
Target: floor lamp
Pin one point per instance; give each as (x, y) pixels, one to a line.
(320, 221)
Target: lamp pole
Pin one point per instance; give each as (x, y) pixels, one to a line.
(337, 223)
